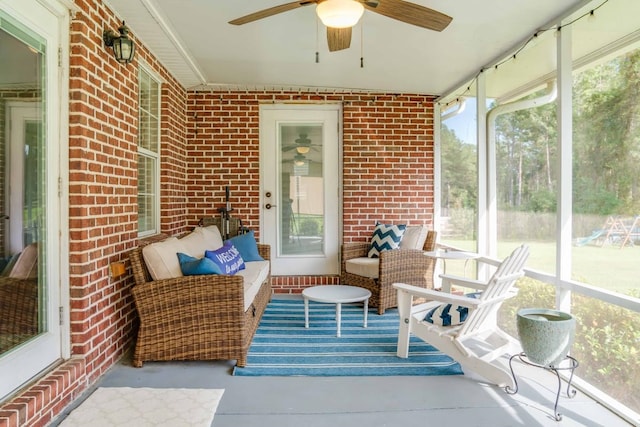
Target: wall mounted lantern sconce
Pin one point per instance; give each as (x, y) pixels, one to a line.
(123, 47)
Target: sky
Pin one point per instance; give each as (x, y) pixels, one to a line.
(464, 124)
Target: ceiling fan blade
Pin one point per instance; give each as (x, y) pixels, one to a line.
(410, 13)
(338, 38)
(271, 11)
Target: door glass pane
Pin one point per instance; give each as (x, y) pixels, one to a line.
(22, 191)
(301, 210)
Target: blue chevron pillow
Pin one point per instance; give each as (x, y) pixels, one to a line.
(449, 314)
(385, 238)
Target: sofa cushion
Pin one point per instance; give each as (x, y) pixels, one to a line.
(212, 236)
(254, 275)
(192, 266)
(363, 266)
(161, 259)
(195, 243)
(385, 237)
(247, 246)
(227, 257)
(26, 266)
(414, 237)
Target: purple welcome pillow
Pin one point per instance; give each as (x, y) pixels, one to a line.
(227, 258)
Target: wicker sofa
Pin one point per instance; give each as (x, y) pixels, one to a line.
(404, 265)
(198, 317)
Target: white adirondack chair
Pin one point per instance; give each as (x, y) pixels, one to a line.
(478, 341)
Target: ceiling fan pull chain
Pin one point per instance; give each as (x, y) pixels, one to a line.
(362, 44)
(317, 41)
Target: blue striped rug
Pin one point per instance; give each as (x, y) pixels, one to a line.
(283, 347)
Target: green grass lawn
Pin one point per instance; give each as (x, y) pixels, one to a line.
(608, 267)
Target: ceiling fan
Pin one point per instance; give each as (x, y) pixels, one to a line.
(298, 160)
(340, 15)
(302, 145)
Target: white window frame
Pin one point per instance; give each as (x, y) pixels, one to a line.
(148, 154)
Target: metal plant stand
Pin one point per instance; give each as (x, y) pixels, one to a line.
(571, 392)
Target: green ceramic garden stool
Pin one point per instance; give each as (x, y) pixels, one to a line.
(546, 336)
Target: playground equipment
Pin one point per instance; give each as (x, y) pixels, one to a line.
(616, 230)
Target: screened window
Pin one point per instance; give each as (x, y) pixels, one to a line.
(459, 171)
(528, 185)
(606, 190)
(148, 155)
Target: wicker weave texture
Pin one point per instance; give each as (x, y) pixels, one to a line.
(402, 265)
(195, 317)
(18, 311)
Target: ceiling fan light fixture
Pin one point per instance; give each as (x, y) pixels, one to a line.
(303, 149)
(299, 160)
(340, 13)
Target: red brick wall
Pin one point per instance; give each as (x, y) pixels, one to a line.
(174, 168)
(103, 181)
(102, 189)
(103, 116)
(388, 160)
(209, 140)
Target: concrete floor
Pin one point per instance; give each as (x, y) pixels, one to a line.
(459, 400)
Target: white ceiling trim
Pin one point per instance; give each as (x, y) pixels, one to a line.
(171, 34)
(146, 25)
(230, 87)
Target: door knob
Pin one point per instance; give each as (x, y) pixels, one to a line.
(269, 206)
(268, 194)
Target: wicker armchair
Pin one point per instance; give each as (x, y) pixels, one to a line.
(401, 265)
(195, 317)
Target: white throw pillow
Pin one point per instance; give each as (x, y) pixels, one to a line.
(26, 267)
(212, 237)
(414, 237)
(161, 258)
(195, 243)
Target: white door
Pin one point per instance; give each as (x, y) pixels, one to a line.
(31, 32)
(25, 124)
(300, 195)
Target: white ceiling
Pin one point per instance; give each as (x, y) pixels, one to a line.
(193, 39)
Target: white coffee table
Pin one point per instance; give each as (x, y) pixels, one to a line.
(338, 295)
